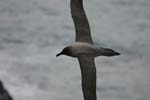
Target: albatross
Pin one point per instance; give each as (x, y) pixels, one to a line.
(84, 50)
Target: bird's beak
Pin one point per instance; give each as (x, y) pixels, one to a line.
(59, 54)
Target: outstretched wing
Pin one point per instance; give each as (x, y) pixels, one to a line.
(88, 73)
(82, 27)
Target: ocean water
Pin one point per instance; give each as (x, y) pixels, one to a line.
(32, 32)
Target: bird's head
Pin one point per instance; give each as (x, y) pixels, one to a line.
(65, 51)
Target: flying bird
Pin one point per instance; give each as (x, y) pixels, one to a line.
(84, 50)
(4, 95)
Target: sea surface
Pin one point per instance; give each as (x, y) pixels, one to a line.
(32, 32)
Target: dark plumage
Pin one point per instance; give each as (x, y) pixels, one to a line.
(84, 50)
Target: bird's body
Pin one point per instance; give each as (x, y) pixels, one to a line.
(80, 48)
(84, 50)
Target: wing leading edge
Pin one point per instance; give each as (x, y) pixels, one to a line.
(88, 73)
(82, 27)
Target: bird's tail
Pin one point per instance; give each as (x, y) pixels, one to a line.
(108, 52)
